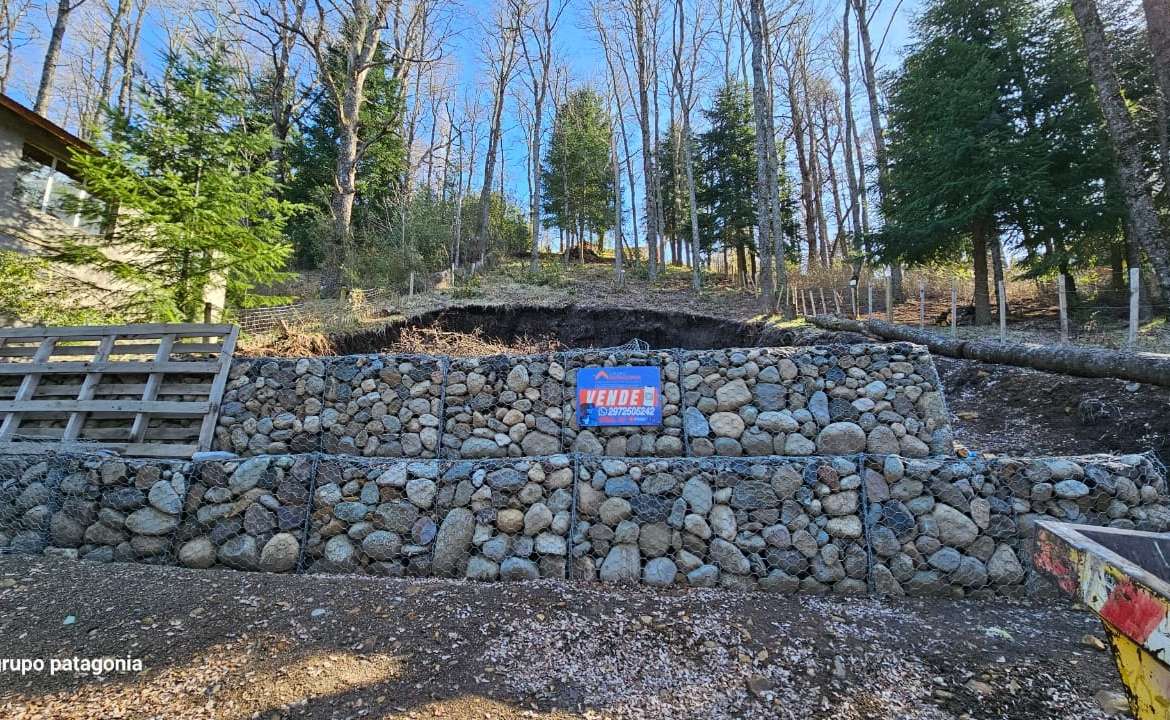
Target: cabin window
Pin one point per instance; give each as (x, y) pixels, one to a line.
(46, 183)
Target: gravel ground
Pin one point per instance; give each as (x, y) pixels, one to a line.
(219, 644)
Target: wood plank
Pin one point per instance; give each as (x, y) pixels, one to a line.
(85, 394)
(145, 349)
(140, 330)
(126, 368)
(71, 390)
(207, 432)
(27, 387)
(138, 429)
(160, 450)
(160, 407)
(112, 433)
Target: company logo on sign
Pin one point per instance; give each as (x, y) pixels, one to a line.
(619, 396)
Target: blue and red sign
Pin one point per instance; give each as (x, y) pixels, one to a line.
(618, 396)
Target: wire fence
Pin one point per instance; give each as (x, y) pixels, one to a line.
(856, 524)
(356, 305)
(1089, 310)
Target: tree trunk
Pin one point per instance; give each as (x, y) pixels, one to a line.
(875, 121)
(648, 172)
(104, 90)
(763, 188)
(1158, 30)
(1082, 361)
(129, 50)
(979, 232)
(333, 275)
(1143, 217)
(503, 73)
(850, 168)
(534, 211)
(53, 55)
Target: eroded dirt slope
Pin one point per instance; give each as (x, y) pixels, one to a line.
(1004, 409)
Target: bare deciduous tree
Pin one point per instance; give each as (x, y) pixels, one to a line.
(500, 52)
(53, 53)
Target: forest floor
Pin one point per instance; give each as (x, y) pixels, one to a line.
(222, 644)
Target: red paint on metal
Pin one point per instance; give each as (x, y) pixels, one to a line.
(1053, 558)
(1133, 611)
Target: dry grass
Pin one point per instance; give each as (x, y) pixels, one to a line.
(286, 341)
(437, 341)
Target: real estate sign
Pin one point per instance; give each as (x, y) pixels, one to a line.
(619, 396)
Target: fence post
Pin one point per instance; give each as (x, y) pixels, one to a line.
(954, 306)
(869, 290)
(824, 305)
(921, 306)
(412, 283)
(1062, 299)
(836, 301)
(1002, 293)
(889, 298)
(1134, 298)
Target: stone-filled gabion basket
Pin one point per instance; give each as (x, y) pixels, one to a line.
(505, 519)
(814, 401)
(1127, 492)
(247, 514)
(940, 527)
(383, 406)
(658, 441)
(118, 510)
(373, 517)
(272, 406)
(27, 498)
(776, 524)
(503, 406)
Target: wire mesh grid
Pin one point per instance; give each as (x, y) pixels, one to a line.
(246, 514)
(503, 406)
(774, 524)
(272, 405)
(27, 497)
(881, 524)
(383, 405)
(118, 510)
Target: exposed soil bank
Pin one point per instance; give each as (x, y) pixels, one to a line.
(1016, 411)
(573, 327)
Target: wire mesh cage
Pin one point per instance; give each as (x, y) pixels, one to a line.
(113, 510)
(1127, 492)
(773, 524)
(248, 514)
(374, 517)
(503, 406)
(505, 519)
(27, 500)
(940, 527)
(817, 400)
(664, 440)
(383, 406)
(271, 406)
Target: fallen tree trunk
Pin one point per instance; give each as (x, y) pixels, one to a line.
(1153, 368)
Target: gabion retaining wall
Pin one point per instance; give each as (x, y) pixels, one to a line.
(798, 401)
(880, 524)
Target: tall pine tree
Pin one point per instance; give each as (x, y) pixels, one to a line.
(189, 177)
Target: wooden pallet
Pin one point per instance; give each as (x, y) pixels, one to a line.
(143, 390)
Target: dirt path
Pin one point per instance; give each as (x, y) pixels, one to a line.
(1004, 409)
(241, 645)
